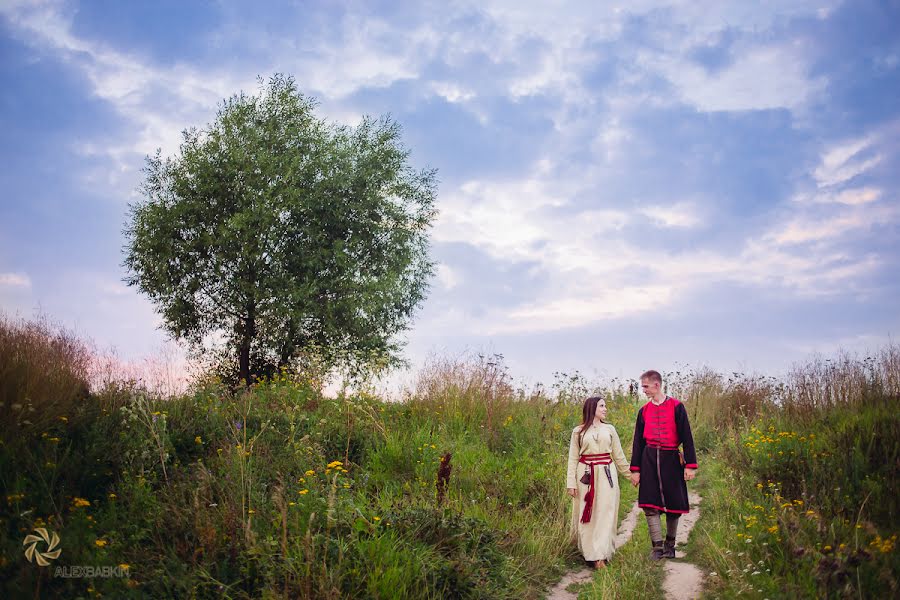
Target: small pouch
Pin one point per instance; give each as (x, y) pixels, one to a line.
(586, 478)
(681, 458)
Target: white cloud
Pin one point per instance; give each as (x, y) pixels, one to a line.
(448, 276)
(452, 92)
(765, 77)
(679, 215)
(850, 196)
(15, 280)
(842, 162)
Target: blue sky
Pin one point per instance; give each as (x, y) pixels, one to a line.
(623, 185)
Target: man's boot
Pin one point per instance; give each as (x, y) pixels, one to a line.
(669, 548)
(657, 552)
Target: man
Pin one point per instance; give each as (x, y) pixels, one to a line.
(658, 467)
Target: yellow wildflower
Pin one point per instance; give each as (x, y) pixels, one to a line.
(100, 543)
(302, 492)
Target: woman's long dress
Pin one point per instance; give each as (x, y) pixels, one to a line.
(595, 538)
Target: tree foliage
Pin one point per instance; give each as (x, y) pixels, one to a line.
(277, 232)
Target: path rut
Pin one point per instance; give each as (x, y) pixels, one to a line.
(683, 580)
(626, 528)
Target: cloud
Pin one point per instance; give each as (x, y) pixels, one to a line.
(760, 78)
(843, 162)
(448, 276)
(678, 215)
(15, 280)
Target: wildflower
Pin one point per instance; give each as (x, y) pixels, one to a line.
(292, 504)
(303, 492)
(251, 511)
(124, 566)
(64, 419)
(310, 472)
(334, 463)
(100, 543)
(376, 518)
(773, 529)
(238, 425)
(112, 496)
(80, 502)
(198, 440)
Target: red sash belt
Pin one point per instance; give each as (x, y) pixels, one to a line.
(592, 460)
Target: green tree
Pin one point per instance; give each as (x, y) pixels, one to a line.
(277, 232)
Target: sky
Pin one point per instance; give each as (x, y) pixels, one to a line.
(622, 185)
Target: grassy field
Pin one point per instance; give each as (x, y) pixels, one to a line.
(281, 492)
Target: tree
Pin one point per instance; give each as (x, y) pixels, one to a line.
(279, 232)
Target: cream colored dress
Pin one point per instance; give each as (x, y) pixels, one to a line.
(595, 538)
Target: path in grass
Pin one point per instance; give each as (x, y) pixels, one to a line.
(684, 581)
(626, 528)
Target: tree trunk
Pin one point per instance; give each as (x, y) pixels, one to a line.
(248, 331)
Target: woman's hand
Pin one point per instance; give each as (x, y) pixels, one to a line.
(635, 479)
(570, 491)
(689, 474)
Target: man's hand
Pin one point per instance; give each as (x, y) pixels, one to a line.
(635, 479)
(570, 491)
(689, 474)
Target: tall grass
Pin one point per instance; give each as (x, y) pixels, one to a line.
(802, 497)
(283, 492)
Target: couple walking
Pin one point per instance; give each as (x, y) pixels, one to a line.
(657, 467)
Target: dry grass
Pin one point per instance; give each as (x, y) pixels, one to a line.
(845, 380)
(44, 374)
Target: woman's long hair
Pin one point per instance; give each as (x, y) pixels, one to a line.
(588, 412)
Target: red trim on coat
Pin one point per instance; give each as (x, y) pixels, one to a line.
(690, 466)
(636, 469)
(671, 510)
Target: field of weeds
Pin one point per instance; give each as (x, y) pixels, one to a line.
(455, 492)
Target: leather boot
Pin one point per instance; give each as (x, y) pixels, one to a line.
(657, 552)
(669, 548)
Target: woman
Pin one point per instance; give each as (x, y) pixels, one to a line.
(593, 484)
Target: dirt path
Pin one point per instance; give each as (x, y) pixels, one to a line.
(684, 581)
(626, 528)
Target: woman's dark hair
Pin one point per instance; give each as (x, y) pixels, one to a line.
(588, 411)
